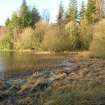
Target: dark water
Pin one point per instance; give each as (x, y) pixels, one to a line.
(11, 62)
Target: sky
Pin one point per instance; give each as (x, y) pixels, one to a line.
(7, 7)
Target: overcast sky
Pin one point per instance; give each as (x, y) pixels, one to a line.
(7, 7)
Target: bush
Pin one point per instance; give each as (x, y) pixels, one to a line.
(26, 40)
(7, 42)
(97, 48)
(55, 40)
(73, 36)
(85, 34)
(32, 38)
(40, 29)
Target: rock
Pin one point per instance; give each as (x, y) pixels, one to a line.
(4, 95)
(70, 69)
(101, 101)
(41, 85)
(65, 64)
(26, 101)
(58, 77)
(14, 84)
(2, 85)
(44, 73)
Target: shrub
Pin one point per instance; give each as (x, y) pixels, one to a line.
(73, 36)
(7, 42)
(40, 29)
(85, 34)
(97, 48)
(32, 38)
(55, 40)
(26, 40)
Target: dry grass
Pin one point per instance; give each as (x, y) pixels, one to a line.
(97, 47)
(84, 55)
(78, 93)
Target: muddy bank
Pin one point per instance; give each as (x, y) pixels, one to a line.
(43, 87)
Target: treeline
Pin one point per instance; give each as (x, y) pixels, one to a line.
(75, 30)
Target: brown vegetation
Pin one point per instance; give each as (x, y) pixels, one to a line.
(79, 82)
(3, 31)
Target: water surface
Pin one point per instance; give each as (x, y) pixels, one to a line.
(11, 62)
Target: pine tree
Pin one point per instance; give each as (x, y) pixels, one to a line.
(60, 18)
(25, 15)
(35, 16)
(91, 11)
(24, 2)
(24, 18)
(28, 17)
(72, 11)
(7, 22)
(23, 8)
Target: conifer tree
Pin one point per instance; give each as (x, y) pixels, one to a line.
(91, 11)
(35, 16)
(60, 18)
(25, 15)
(7, 22)
(72, 11)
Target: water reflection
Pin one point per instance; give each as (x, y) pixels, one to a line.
(2, 69)
(11, 62)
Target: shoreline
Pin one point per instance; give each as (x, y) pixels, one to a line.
(39, 52)
(71, 77)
